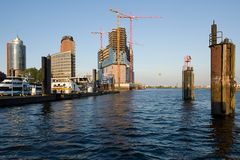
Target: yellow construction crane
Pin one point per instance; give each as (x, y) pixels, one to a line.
(130, 17)
(118, 47)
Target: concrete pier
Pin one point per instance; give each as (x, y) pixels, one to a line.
(187, 81)
(222, 74)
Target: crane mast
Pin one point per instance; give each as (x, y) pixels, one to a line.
(130, 17)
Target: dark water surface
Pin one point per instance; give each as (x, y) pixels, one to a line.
(146, 124)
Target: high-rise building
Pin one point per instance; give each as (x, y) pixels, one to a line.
(67, 44)
(16, 57)
(112, 39)
(63, 62)
(107, 58)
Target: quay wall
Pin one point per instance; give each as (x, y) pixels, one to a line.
(23, 100)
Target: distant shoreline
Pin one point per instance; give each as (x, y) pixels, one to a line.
(172, 87)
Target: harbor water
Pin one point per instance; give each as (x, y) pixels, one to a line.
(142, 124)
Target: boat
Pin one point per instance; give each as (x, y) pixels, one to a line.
(15, 86)
(64, 86)
(36, 89)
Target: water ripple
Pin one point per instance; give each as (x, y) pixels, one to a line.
(145, 124)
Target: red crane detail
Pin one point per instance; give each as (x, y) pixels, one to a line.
(100, 35)
(187, 60)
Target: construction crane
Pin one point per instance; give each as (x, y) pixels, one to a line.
(130, 17)
(118, 47)
(132, 57)
(135, 43)
(100, 33)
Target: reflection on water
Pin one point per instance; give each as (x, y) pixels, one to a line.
(223, 134)
(46, 109)
(116, 121)
(64, 117)
(147, 124)
(187, 107)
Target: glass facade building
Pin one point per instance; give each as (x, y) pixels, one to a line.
(16, 57)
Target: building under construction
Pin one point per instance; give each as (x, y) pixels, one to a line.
(107, 60)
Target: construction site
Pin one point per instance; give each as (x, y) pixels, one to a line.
(115, 61)
(108, 62)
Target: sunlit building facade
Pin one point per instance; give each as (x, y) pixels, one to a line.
(63, 62)
(16, 57)
(63, 65)
(67, 44)
(107, 58)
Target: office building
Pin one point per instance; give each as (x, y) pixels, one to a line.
(63, 62)
(63, 65)
(16, 57)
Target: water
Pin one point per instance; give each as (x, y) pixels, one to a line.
(146, 124)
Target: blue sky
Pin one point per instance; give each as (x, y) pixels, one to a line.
(183, 29)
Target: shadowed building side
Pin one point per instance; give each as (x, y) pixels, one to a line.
(46, 75)
(222, 74)
(94, 79)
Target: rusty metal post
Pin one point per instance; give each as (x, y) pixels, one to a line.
(222, 75)
(188, 84)
(214, 33)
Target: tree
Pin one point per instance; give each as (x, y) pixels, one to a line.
(2, 76)
(33, 74)
(39, 77)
